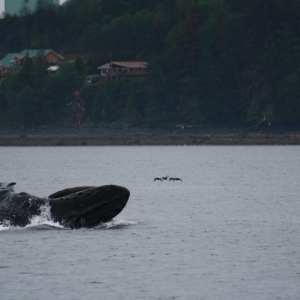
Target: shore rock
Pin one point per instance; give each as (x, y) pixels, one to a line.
(175, 135)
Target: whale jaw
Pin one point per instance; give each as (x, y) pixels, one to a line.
(89, 207)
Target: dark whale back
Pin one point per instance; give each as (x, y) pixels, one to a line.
(17, 209)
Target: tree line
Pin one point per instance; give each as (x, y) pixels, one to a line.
(210, 61)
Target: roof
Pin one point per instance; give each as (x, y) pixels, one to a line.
(8, 62)
(125, 64)
(35, 52)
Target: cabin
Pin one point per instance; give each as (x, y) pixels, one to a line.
(49, 55)
(12, 63)
(8, 66)
(118, 69)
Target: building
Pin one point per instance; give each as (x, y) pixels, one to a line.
(12, 63)
(116, 69)
(15, 6)
(7, 65)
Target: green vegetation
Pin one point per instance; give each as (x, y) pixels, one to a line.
(211, 61)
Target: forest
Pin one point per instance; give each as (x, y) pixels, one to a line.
(226, 62)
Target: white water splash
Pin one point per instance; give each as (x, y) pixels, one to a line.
(43, 219)
(36, 221)
(3, 227)
(114, 224)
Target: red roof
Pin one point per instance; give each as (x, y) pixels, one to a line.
(125, 64)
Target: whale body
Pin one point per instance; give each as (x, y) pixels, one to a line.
(78, 207)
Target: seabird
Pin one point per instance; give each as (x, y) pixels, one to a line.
(157, 179)
(175, 179)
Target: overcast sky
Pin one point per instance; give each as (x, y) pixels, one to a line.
(2, 5)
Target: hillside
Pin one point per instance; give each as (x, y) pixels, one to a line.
(211, 62)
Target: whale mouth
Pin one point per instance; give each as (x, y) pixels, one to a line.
(69, 191)
(91, 218)
(88, 206)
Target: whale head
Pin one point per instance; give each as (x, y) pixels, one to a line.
(87, 206)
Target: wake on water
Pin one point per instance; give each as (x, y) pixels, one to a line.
(45, 222)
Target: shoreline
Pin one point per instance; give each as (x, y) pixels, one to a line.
(176, 135)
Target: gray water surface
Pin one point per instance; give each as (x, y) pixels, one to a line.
(230, 230)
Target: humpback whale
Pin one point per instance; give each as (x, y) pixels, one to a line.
(78, 207)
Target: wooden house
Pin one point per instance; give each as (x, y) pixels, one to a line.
(13, 62)
(117, 69)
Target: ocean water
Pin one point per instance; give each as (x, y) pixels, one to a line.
(230, 230)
